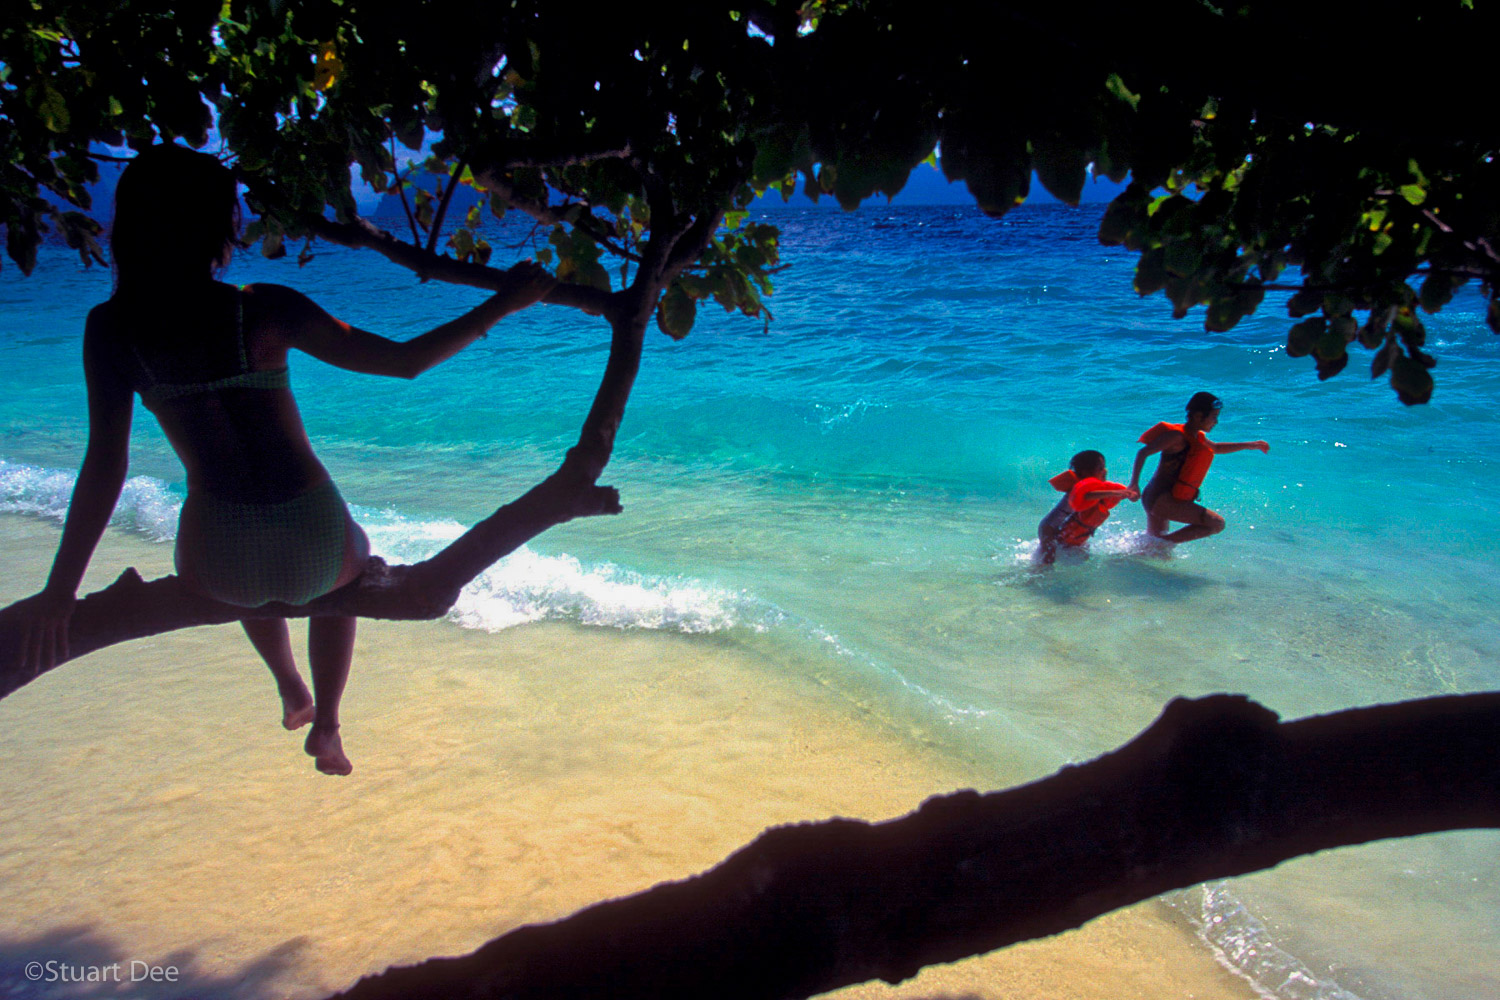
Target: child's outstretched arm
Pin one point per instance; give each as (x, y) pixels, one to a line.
(305, 326)
(1226, 447)
(1113, 492)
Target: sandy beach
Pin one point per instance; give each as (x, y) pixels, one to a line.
(157, 812)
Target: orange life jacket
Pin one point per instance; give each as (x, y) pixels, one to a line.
(1086, 516)
(1194, 464)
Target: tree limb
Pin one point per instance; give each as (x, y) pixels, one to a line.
(549, 216)
(442, 209)
(538, 156)
(1216, 787)
(362, 234)
(131, 608)
(411, 219)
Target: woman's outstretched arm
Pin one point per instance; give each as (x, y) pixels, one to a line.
(95, 493)
(302, 324)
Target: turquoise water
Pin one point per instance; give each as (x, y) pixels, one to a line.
(854, 492)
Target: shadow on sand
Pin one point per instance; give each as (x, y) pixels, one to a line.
(79, 963)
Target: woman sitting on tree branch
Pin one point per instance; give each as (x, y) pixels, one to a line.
(262, 521)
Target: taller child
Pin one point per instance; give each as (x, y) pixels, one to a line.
(1186, 453)
(262, 521)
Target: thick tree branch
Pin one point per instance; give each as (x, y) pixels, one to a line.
(628, 315)
(131, 608)
(692, 242)
(361, 234)
(540, 211)
(1214, 788)
(537, 155)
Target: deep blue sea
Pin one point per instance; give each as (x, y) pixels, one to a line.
(853, 490)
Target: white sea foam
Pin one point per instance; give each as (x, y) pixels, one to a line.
(1243, 945)
(528, 586)
(525, 586)
(830, 416)
(1107, 543)
(147, 506)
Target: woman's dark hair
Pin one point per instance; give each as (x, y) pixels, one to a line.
(175, 210)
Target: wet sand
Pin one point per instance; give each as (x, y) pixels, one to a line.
(157, 812)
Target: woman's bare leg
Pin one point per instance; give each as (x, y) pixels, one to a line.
(271, 640)
(330, 648)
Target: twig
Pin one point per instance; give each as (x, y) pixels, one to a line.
(526, 240)
(548, 216)
(442, 210)
(416, 238)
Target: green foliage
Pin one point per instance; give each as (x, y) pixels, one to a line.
(676, 311)
(622, 132)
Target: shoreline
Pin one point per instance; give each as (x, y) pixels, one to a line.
(500, 779)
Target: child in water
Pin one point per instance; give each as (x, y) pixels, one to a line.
(1087, 499)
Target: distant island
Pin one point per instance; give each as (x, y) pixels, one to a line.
(926, 186)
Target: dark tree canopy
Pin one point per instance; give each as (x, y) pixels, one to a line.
(1343, 139)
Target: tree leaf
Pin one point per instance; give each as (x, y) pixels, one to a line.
(1062, 167)
(1304, 301)
(1381, 362)
(329, 67)
(1328, 368)
(1151, 272)
(1302, 336)
(1414, 193)
(1116, 86)
(676, 312)
(1411, 380)
(1437, 291)
(50, 106)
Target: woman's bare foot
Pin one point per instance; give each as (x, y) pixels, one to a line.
(327, 750)
(296, 709)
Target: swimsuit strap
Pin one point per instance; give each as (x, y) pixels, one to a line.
(270, 378)
(157, 391)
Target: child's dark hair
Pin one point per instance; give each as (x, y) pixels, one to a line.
(1087, 463)
(175, 211)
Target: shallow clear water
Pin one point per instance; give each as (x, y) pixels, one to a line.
(854, 491)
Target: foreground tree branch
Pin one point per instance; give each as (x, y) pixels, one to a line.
(131, 608)
(1214, 788)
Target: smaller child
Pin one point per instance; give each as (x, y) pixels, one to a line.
(1086, 503)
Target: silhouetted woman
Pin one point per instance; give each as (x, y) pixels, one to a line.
(262, 521)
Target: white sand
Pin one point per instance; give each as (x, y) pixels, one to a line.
(156, 811)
